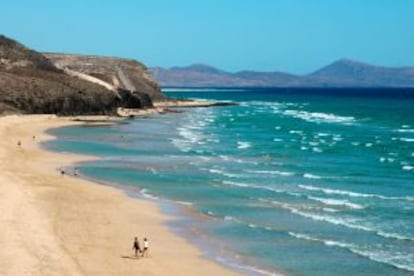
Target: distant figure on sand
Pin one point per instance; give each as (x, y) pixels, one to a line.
(135, 247)
(19, 143)
(62, 172)
(75, 172)
(145, 250)
(34, 137)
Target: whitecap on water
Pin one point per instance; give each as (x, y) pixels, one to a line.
(243, 145)
(318, 117)
(405, 130)
(397, 259)
(318, 150)
(337, 202)
(311, 176)
(275, 172)
(352, 194)
(408, 168)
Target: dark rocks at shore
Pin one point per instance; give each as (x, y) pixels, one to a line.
(32, 83)
(134, 99)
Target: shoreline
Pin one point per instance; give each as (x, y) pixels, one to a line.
(56, 225)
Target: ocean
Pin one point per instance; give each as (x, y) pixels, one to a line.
(301, 181)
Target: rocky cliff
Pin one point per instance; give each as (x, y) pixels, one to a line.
(30, 82)
(118, 73)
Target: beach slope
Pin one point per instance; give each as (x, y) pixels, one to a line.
(63, 225)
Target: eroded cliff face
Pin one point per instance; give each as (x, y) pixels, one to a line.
(30, 82)
(118, 73)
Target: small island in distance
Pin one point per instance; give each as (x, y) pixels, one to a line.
(344, 73)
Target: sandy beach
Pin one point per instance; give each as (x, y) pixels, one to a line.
(63, 225)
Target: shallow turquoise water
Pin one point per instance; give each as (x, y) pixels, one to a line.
(306, 183)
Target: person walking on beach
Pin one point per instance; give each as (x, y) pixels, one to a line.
(145, 250)
(19, 143)
(135, 247)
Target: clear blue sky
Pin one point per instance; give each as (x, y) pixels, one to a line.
(296, 36)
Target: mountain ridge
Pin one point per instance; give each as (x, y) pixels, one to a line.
(344, 72)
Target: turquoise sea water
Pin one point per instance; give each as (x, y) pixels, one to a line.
(308, 182)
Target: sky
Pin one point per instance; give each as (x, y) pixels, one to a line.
(295, 36)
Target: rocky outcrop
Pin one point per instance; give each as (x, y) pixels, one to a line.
(32, 83)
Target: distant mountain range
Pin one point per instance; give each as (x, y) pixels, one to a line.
(341, 73)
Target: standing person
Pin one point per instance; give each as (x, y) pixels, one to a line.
(135, 247)
(145, 250)
(19, 143)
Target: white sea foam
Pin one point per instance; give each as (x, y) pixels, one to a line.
(399, 260)
(318, 117)
(210, 213)
(252, 186)
(216, 171)
(311, 176)
(408, 168)
(144, 193)
(185, 203)
(345, 222)
(230, 218)
(251, 225)
(237, 184)
(409, 140)
(330, 210)
(352, 194)
(299, 132)
(243, 145)
(326, 242)
(337, 202)
(282, 173)
(318, 150)
(405, 130)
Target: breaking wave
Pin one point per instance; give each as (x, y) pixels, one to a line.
(352, 194)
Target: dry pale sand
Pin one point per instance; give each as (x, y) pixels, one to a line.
(61, 225)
